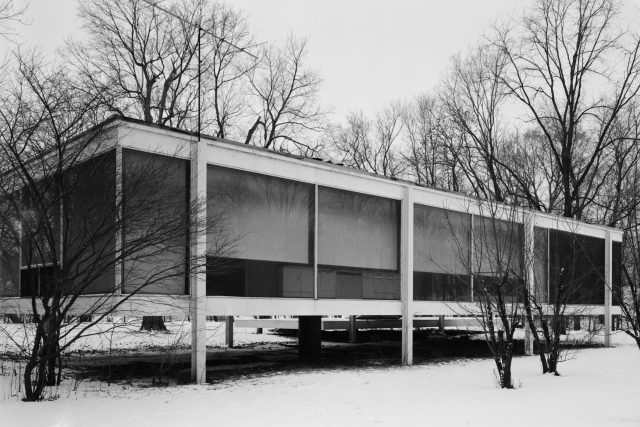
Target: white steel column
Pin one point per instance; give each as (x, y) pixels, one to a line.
(228, 331)
(608, 283)
(198, 277)
(529, 258)
(315, 241)
(406, 275)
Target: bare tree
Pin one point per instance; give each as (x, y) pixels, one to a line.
(225, 67)
(430, 156)
(285, 100)
(372, 146)
(568, 270)
(473, 96)
(561, 55)
(532, 172)
(182, 67)
(628, 294)
(63, 206)
(10, 14)
(499, 282)
(140, 60)
(616, 196)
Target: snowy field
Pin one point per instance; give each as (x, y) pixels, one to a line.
(598, 387)
(125, 335)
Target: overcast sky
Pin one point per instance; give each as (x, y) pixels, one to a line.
(368, 52)
(371, 52)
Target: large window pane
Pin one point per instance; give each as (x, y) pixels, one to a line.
(541, 264)
(9, 253)
(90, 226)
(40, 218)
(617, 290)
(267, 218)
(357, 230)
(9, 274)
(576, 268)
(251, 278)
(441, 245)
(269, 223)
(357, 283)
(358, 245)
(37, 280)
(40, 238)
(497, 254)
(441, 287)
(83, 213)
(155, 231)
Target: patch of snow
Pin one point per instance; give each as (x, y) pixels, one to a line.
(599, 387)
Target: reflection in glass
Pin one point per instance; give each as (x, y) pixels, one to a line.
(497, 253)
(541, 264)
(86, 210)
(90, 225)
(270, 222)
(576, 268)
(156, 206)
(441, 245)
(9, 257)
(616, 277)
(358, 245)
(40, 224)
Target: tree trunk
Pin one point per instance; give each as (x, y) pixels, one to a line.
(36, 365)
(538, 342)
(30, 394)
(554, 356)
(153, 323)
(51, 364)
(506, 373)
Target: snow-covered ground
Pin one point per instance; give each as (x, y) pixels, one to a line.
(598, 387)
(121, 336)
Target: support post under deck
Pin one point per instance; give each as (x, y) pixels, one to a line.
(198, 276)
(406, 275)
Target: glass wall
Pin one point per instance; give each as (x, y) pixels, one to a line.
(9, 254)
(260, 235)
(576, 268)
(497, 255)
(40, 240)
(541, 264)
(90, 226)
(156, 212)
(441, 250)
(82, 213)
(358, 245)
(616, 279)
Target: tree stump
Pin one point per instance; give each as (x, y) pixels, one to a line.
(14, 318)
(153, 323)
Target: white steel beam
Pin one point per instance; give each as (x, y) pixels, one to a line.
(608, 283)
